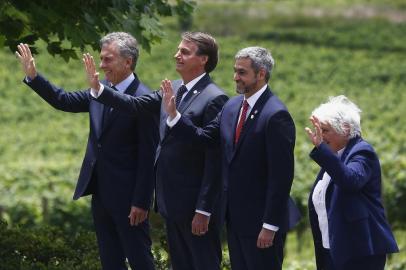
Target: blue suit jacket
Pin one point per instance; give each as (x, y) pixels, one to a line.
(187, 174)
(356, 217)
(258, 171)
(119, 155)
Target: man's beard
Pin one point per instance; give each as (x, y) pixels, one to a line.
(242, 91)
(246, 88)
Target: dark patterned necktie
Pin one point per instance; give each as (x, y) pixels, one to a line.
(179, 95)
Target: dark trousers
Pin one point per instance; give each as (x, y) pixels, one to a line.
(245, 255)
(373, 262)
(117, 240)
(190, 252)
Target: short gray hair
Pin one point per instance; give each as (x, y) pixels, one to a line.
(126, 43)
(260, 58)
(341, 114)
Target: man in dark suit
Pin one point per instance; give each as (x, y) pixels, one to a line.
(118, 165)
(257, 137)
(188, 180)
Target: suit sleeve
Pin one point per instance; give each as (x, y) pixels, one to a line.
(211, 183)
(148, 137)
(209, 134)
(134, 105)
(280, 145)
(351, 176)
(58, 98)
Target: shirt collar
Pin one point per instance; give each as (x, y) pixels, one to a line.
(253, 99)
(192, 83)
(123, 85)
(340, 152)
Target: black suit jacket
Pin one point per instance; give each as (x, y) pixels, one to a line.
(188, 175)
(258, 171)
(119, 155)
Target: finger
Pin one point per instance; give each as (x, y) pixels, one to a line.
(131, 217)
(28, 51)
(194, 229)
(21, 50)
(259, 243)
(310, 133)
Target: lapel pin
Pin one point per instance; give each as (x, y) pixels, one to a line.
(252, 116)
(256, 111)
(195, 92)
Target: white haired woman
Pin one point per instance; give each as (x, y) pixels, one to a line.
(348, 222)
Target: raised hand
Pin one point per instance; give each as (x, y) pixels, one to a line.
(26, 60)
(315, 137)
(168, 98)
(91, 73)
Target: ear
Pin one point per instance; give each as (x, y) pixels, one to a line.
(261, 74)
(204, 59)
(346, 128)
(128, 62)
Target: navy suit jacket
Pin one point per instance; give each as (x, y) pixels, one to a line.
(119, 155)
(188, 176)
(356, 218)
(258, 171)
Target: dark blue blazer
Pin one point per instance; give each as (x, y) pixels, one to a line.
(188, 176)
(119, 155)
(356, 217)
(258, 171)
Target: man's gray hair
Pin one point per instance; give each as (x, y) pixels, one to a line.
(342, 115)
(126, 43)
(260, 58)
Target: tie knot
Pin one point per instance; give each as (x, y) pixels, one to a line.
(182, 90)
(245, 104)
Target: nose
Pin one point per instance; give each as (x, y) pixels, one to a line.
(177, 54)
(236, 77)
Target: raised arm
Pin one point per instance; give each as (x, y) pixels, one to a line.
(106, 95)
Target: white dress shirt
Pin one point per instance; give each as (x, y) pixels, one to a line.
(319, 202)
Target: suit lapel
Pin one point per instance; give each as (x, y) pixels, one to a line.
(194, 92)
(97, 117)
(131, 90)
(185, 103)
(231, 119)
(252, 118)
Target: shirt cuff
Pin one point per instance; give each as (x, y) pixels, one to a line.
(174, 121)
(98, 93)
(270, 227)
(203, 213)
(27, 79)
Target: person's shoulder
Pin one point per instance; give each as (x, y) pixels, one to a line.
(214, 89)
(361, 144)
(143, 89)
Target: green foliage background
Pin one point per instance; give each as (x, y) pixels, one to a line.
(363, 58)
